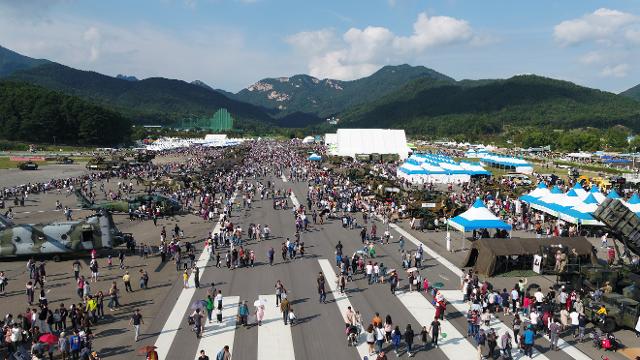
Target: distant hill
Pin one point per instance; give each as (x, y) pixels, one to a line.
(11, 61)
(202, 84)
(126, 77)
(32, 113)
(633, 93)
(307, 94)
(489, 106)
(152, 100)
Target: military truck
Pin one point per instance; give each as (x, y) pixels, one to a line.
(623, 308)
(28, 165)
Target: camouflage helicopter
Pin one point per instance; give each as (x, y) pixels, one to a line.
(95, 232)
(167, 205)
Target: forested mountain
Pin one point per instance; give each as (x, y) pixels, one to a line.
(489, 106)
(11, 61)
(633, 93)
(152, 100)
(307, 94)
(32, 113)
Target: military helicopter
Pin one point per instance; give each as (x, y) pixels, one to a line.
(95, 232)
(168, 206)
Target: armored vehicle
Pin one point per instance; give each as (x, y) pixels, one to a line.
(28, 165)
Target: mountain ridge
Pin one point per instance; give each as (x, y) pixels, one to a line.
(327, 97)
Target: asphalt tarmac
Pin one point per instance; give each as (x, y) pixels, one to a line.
(319, 330)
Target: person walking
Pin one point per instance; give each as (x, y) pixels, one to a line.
(554, 334)
(203, 356)
(284, 308)
(529, 341)
(260, 314)
(136, 320)
(408, 339)
(196, 276)
(126, 278)
(185, 279)
(396, 338)
(370, 335)
(505, 345)
(224, 354)
(434, 329)
(321, 289)
(76, 266)
(279, 291)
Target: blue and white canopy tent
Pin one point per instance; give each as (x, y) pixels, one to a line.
(477, 217)
(438, 169)
(314, 157)
(540, 191)
(634, 203)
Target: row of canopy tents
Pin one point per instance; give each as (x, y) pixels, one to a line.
(506, 162)
(432, 168)
(575, 206)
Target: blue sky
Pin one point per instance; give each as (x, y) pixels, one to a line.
(230, 44)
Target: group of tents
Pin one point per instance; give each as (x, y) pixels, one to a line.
(577, 205)
(430, 168)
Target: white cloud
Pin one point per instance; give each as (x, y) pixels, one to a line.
(219, 56)
(362, 51)
(618, 71)
(603, 25)
(313, 42)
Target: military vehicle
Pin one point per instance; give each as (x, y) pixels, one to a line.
(64, 160)
(28, 165)
(54, 239)
(168, 206)
(621, 304)
(99, 163)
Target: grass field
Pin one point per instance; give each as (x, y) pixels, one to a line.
(5, 163)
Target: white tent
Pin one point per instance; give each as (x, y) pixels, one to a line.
(477, 217)
(308, 140)
(330, 139)
(371, 141)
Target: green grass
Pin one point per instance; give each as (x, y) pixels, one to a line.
(5, 163)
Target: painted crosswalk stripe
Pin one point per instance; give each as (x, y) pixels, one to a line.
(176, 317)
(284, 178)
(294, 200)
(342, 301)
(217, 335)
(455, 298)
(448, 264)
(455, 345)
(274, 337)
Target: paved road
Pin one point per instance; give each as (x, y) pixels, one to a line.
(319, 333)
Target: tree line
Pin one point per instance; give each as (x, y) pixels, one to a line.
(34, 114)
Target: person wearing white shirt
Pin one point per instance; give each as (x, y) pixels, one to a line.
(539, 296)
(574, 316)
(515, 296)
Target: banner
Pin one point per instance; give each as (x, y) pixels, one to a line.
(26, 158)
(537, 264)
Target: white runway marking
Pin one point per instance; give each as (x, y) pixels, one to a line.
(455, 345)
(455, 298)
(342, 301)
(294, 200)
(215, 335)
(428, 250)
(274, 337)
(176, 318)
